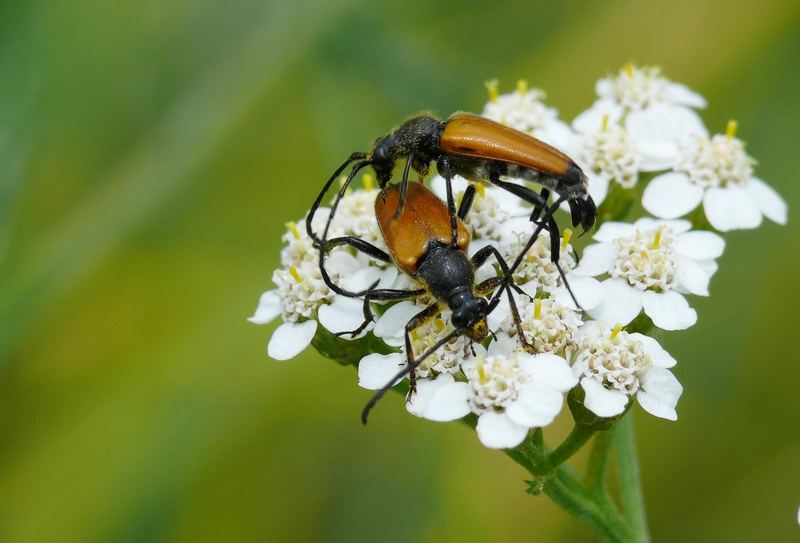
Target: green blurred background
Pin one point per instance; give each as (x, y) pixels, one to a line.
(150, 154)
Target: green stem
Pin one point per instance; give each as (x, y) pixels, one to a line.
(574, 441)
(598, 463)
(564, 488)
(630, 487)
(570, 496)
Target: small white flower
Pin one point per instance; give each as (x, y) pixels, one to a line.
(491, 210)
(607, 153)
(650, 264)
(637, 88)
(548, 326)
(438, 396)
(512, 392)
(613, 365)
(302, 298)
(657, 113)
(525, 110)
(719, 173)
(537, 272)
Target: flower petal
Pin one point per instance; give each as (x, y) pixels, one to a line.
(658, 355)
(671, 195)
(558, 134)
(497, 431)
(621, 302)
(343, 314)
(388, 277)
(586, 289)
(442, 399)
(341, 262)
(681, 94)
(502, 344)
(611, 230)
(602, 401)
(660, 393)
(549, 369)
(668, 310)
(290, 339)
(598, 186)
(731, 208)
(269, 307)
(692, 276)
(375, 370)
(393, 321)
(700, 244)
(502, 311)
(512, 229)
(656, 155)
(597, 259)
(769, 202)
(536, 405)
(709, 266)
(591, 120)
(664, 122)
(678, 226)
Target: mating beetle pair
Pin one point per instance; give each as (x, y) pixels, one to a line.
(427, 238)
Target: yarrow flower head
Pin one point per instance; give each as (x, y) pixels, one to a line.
(548, 326)
(538, 273)
(302, 298)
(525, 110)
(613, 365)
(608, 153)
(657, 116)
(718, 172)
(513, 392)
(650, 265)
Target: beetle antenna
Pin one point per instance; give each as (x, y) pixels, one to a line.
(325, 188)
(407, 369)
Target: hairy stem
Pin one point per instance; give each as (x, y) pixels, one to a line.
(630, 487)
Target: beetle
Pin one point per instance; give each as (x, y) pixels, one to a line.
(430, 244)
(479, 150)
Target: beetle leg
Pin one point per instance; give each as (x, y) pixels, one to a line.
(466, 202)
(486, 287)
(416, 321)
(321, 195)
(520, 191)
(479, 258)
(403, 187)
(359, 245)
(555, 252)
(537, 210)
(410, 367)
(444, 167)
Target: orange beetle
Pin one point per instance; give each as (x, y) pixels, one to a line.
(423, 243)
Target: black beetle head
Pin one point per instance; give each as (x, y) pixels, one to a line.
(382, 160)
(470, 314)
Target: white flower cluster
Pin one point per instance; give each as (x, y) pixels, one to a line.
(637, 274)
